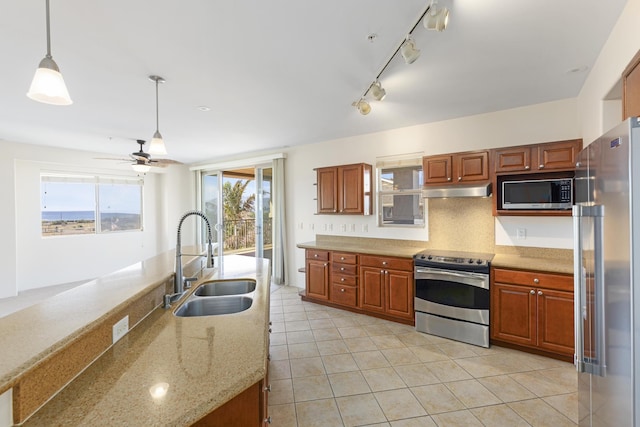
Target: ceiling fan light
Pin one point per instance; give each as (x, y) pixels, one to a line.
(156, 146)
(377, 91)
(409, 51)
(436, 19)
(140, 167)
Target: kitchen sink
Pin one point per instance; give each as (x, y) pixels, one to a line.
(225, 287)
(213, 306)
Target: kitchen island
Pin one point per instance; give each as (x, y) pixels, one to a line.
(201, 362)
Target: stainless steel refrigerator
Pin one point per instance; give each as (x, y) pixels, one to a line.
(606, 217)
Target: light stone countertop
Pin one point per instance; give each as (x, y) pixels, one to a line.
(205, 360)
(382, 247)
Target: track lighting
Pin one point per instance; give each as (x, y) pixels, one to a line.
(436, 19)
(362, 106)
(409, 51)
(48, 85)
(377, 91)
(157, 143)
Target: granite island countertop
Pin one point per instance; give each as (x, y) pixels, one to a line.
(205, 361)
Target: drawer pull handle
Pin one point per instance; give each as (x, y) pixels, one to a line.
(268, 388)
(384, 262)
(268, 420)
(342, 279)
(342, 290)
(532, 292)
(341, 258)
(316, 255)
(536, 280)
(541, 166)
(527, 167)
(341, 268)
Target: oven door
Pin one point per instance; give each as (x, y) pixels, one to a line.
(453, 294)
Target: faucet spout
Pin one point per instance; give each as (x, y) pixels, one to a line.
(179, 280)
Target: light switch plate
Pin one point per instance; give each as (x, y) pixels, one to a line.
(121, 328)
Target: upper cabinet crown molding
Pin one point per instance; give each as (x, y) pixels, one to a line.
(345, 189)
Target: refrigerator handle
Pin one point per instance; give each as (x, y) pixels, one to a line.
(578, 289)
(600, 367)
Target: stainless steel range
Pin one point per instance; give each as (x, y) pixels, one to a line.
(452, 295)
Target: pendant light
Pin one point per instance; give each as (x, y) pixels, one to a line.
(48, 85)
(157, 144)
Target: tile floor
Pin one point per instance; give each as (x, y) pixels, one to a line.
(331, 367)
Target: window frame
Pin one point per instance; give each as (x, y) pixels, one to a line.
(412, 161)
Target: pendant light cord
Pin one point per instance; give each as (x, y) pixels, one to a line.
(48, 33)
(157, 108)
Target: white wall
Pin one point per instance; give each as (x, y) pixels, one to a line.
(33, 261)
(532, 124)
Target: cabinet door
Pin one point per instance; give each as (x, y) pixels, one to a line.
(558, 155)
(317, 279)
(631, 89)
(471, 167)
(513, 314)
(437, 169)
(327, 182)
(372, 289)
(555, 321)
(350, 189)
(399, 293)
(515, 159)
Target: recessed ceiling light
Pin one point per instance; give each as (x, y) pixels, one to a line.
(372, 37)
(204, 108)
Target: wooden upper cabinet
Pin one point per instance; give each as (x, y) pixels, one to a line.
(549, 156)
(631, 88)
(345, 189)
(456, 168)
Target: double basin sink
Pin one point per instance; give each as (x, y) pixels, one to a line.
(216, 297)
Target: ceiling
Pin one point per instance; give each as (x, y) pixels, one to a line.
(281, 73)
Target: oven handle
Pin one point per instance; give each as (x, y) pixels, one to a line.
(474, 279)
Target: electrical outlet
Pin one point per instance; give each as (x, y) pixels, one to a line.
(365, 228)
(343, 227)
(120, 328)
(301, 225)
(521, 233)
(312, 226)
(352, 228)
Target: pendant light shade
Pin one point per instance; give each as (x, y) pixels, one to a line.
(157, 143)
(48, 85)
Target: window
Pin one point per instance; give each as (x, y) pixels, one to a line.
(85, 204)
(400, 201)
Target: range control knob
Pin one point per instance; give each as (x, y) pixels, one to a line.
(479, 261)
(470, 261)
(422, 256)
(429, 257)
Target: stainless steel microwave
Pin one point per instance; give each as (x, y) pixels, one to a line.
(533, 194)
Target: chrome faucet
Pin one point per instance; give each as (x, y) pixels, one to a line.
(180, 282)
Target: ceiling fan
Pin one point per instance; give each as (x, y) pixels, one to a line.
(141, 161)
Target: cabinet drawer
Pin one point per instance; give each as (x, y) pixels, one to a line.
(387, 262)
(345, 279)
(344, 258)
(344, 268)
(316, 254)
(345, 295)
(534, 279)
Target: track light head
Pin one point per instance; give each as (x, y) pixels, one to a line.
(436, 19)
(377, 91)
(362, 106)
(409, 51)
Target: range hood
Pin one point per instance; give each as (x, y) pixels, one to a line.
(470, 190)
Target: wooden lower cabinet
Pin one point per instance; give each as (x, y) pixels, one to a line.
(387, 290)
(247, 409)
(372, 294)
(317, 274)
(533, 310)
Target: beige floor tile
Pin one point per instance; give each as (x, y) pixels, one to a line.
(383, 379)
(457, 350)
(276, 317)
(345, 322)
(377, 329)
(352, 332)
(297, 316)
(278, 338)
(565, 376)
(400, 356)
(290, 300)
(472, 394)
(317, 314)
(348, 383)
(332, 347)
(307, 367)
(326, 334)
(538, 413)
(311, 388)
(360, 344)
(414, 339)
(499, 416)
(277, 327)
(281, 392)
(318, 413)
(296, 325)
(321, 323)
(428, 353)
(400, 328)
(277, 310)
(541, 385)
(457, 419)
(387, 341)
(335, 363)
(416, 375)
(448, 370)
(482, 366)
(291, 308)
(436, 398)
(399, 404)
(414, 422)
(506, 388)
(370, 360)
(279, 369)
(283, 415)
(279, 352)
(307, 349)
(361, 409)
(566, 404)
(298, 337)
